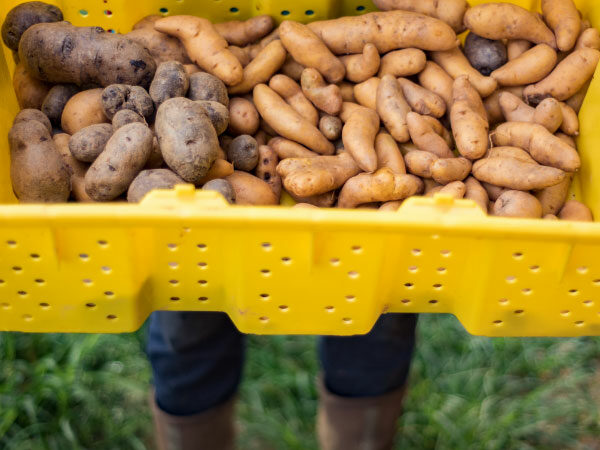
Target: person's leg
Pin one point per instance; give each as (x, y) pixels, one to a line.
(363, 384)
(197, 360)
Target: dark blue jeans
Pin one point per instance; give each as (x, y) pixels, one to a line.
(197, 359)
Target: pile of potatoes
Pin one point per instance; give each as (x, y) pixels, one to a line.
(355, 112)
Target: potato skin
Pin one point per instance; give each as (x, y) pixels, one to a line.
(563, 18)
(148, 180)
(170, 80)
(121, 96)
(54, 103)
(554, 197)
(517, 204)
(243, 116)
(22, 16)
(450, 11)
(485, 55)
(89, 142)
(243, 153)
(187, 139)
(62, 53)
(83, 109)
(30, 91)
(217, 113)
(33, 114)
(75, 168)
(125, 116)
(204, 86)
(251, 190)
(37, 170)
(124, 156)
(161, 46)
(221, 186)
(577, 211)
(331, 127)
(530, 67)
(514, 174)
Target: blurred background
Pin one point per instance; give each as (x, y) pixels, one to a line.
(62, 392)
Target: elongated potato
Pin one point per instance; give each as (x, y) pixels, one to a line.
(205, 47)
(124, 156)
(447, 170)
(554, 197)
(238, 32)
(349, 108)
(455, 63)
(287, 122)
(562, 16)
(362, 67)
(531, 66)
(89, 142)
(543, 146)
(469, 122)
(456, 189)
(570, 121)
(516, 47)
(402, 63)
(475, 191)
(358, 136)
(419, 163)
(450, 11)
(268, 61)
(437, 80)
(511, 152)
(327, 98)
(548, 113)
(161, 46)
(425, 137)
(589, 38)
(517, 204)
(187, 139)
(292, 93)
(76, 169)
(392, 107)
(388, 154)
(514, 174)
(507, 21)
(381, 186)
(569, 76)
(148, 180)
(290, 149)
(576, 211)
(422, 100)
(251, 190)
(390, 30)
(266, 169)
(576, 101)
(310, 51)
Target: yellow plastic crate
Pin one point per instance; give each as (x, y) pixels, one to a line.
(104, 268)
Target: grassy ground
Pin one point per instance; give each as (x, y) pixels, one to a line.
(64, 392)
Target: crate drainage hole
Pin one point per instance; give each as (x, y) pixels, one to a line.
(263, 319)
(408, 285)
(283, 308)
(413, 269)
(503, 301)
(588, 302)
(87, 281)
(573, 291)
(27, 317)
(534, 268)
(265, 272)
(1, 282)
(335, 261)
(173, 265)
(202, 299)
(174, 299)
(416, 251)
(172, 246)
(579, 323)
(445, 253)
(111, 317)
(264, 296)
(174, 282)
(518, 312)
(90, 305)
(202, 265)
(497, 322)
(350, 298)
(11, 243)
(286, 260)
(565, 313)
(102, 243)
(356, 248)
(353, 274)
(526, 291)
(433, 302)
(438, 286)
(596, 282)
(518, 255)
(39, 281)
(109, 293)
(441, 270)
(44, 305)
(17, 269)
(330, 309)
(202, 282)
(34, 256)
(22, 293)
(582, 270)
(266, 246)
(347, 320)
(201, 247)
(5, 305)
(511, 279)
(405, 301)
(106, 269)
(84, 256)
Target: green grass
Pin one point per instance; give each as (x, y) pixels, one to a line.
(89, 392)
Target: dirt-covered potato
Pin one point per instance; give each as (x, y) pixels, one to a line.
(204, 86)
(30, 91)
(187, 139)
(124, 156)
(148, 180)
(243, 116)
(89, 142)
(217, 113)
(125, 116)
(33, 114)
(55, 101)
(37, 170)
(22, 16)
(82, 110)
(221, 186)
(62, 53)
(171, 80)
(243, 153)
(122, 96)
(485, 55)
(161, 46)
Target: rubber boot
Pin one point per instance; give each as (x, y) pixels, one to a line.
(209, 430)
(363, 423)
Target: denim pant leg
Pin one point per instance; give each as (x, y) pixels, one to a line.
(197, 360)
(373, 364)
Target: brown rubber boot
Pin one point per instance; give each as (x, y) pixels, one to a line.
(365, 423)
(210, 430)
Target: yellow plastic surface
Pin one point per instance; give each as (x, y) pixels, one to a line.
(104, 268)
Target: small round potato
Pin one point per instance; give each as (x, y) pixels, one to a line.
(221, 186)
(331, 127)
(217, 113)
(243, 153)
(30, 91)
(125, 116)
(33, 114)
(124, 156)
(485, 55)
(243, 116)
(25, 15)
(122, 96)
(204, 86)
(170, 80)
(82, 110)
(87, 144)
(148, 180)
(517, 204)
(55, 101)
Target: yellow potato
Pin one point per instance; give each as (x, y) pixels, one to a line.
(456, 64)
(450, 11)
(447, 170)
(290, 149)
(425, 137)
(570, 121)
(358, 136)
(554, 197)
(515, 174)
(293, 95)
(82, 110)
(517, 204)
(516, 47)
(419, 163)
(393, 108)
(388, 153)
(251, 190)
(366, 92)
(268, 61)
(562, 16)
(327, 98)
(475, 191)
(469, 121)
(531, 66)
(402, 63)
(511, 152)
(437, 80)
(422, 100)
(576, 211)
(363, 66)
(589, 38)
(30, 91)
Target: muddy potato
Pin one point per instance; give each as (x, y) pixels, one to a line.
(331, 127)
(30, 92)
(485, 55)
(243, 116)
(82, 110)
(204, 86)
(148, 180)
(170, 80)
(89, 142)
(243, 153)
(37, 170)
(124, 156)
(22, 16)
(221, 186)
(187, 139)
(122, 96)
(33, 114)
(125, 116)
(217, 113)
(55, 101)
